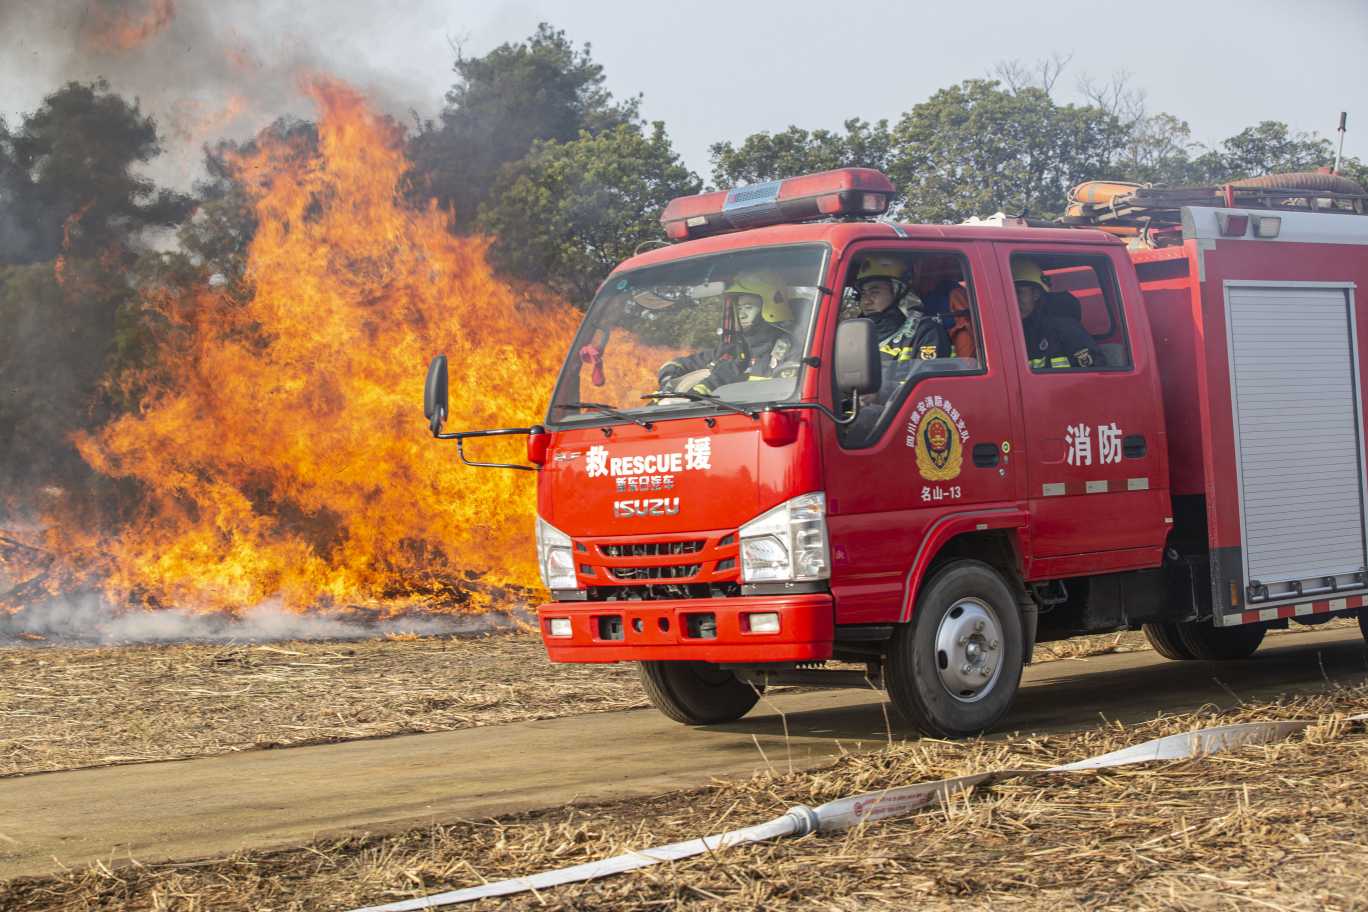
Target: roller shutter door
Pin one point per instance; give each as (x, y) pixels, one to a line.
(1298, 433)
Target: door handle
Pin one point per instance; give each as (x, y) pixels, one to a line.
(1133, 447)
(985, 455)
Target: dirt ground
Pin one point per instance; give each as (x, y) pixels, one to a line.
(66, 708)
(1283, 826)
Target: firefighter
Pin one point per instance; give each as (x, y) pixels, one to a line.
(759, 348)
(904, 339)
(1052, 341)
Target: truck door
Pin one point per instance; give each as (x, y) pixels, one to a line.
(1096, 479)
(937, 443)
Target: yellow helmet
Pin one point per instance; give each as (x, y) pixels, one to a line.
(881, 267)
(773, 293)
(1024, 270)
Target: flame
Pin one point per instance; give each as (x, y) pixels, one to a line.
(281, 451)
(59, 265)
(114, 26)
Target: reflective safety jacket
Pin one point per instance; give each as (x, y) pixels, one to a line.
(916, 338)
(767, 345)
(1058, 343)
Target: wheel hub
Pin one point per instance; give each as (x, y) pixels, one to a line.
(969, 650)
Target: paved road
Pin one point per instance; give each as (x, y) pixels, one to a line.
(268, 798)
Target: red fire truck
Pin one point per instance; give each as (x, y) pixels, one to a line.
(734, 500)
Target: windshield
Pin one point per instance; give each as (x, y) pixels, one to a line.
(732, 327)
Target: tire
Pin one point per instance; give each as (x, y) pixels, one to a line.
(1208, 642)
(1165, 640)
(696, 693)
(955, 669)
(1363, 623)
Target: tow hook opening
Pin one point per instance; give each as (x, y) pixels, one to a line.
(609, 627)
(702, 626)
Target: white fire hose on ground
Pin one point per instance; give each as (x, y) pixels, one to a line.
(871, 806)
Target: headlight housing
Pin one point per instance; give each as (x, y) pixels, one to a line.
(555, 557)
(788, 543)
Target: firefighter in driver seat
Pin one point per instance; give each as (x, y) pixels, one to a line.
(903, 340)
(757, 347)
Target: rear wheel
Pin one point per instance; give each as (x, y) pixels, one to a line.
(1207, 641)
(696, 693)
(1165, 640)
(954, 670)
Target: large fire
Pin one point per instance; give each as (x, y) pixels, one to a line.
(282, 453)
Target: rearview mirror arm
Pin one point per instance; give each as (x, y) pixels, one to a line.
(819, 407)
(460, 438)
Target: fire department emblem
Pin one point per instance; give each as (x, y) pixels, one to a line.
(937, 435)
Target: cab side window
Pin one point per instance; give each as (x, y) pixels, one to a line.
(926, 321)
(1070, 311)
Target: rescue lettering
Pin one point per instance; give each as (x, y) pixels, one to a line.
(654, 464)
(696, 456)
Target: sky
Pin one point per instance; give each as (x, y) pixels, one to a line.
(711, 70)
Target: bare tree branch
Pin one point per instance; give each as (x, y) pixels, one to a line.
(1117, 96)
(1043, 74)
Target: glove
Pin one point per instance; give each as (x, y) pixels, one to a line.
(668, 372)
(725, 372)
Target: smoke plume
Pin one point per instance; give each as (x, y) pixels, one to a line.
(204, 70)
(89, 619)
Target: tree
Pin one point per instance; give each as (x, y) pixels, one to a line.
(71, 177)
(73, 216)
(976, 148)
(17, 241)
(771, 156)
(570, 211)
(1159, 150)
(1268, 148)
(503, 103)
(56, 339)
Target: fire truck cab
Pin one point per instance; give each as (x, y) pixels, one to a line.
(735, 496)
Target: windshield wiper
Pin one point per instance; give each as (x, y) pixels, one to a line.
(605, 409)
(703, 397)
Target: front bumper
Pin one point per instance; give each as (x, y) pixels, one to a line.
(658, 630)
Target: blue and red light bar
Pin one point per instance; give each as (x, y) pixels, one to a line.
(848, 192)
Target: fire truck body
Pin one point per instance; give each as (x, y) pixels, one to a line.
(1264, 395)
(1205, 480)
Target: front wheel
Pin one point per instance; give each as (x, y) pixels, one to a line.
(697, 693)
(955, 669)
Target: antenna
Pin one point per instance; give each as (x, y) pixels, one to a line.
(1344, 115)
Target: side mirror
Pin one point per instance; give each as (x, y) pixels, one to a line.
(856, 358)
(435, 397)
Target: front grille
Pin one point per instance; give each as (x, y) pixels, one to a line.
(652, 549)
(701, 565)
(676, 571)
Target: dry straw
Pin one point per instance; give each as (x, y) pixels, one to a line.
(1278, 826)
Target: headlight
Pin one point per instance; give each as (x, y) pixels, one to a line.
(555, 557)
(788, 543)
